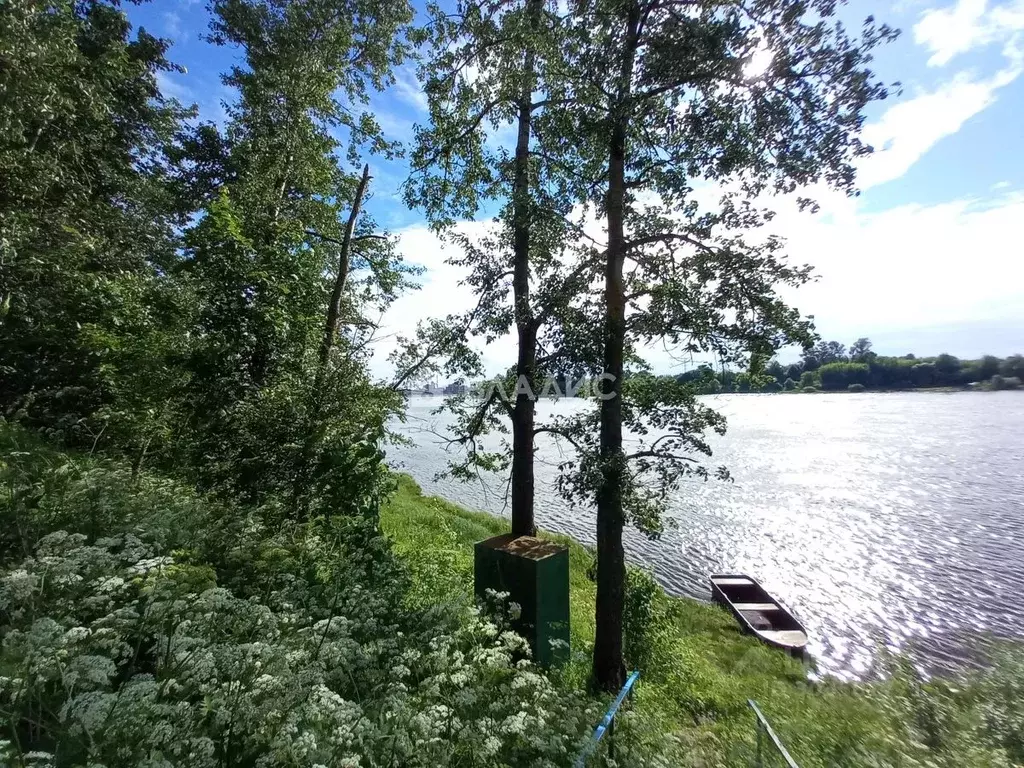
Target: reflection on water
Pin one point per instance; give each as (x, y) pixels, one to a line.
(879, 519)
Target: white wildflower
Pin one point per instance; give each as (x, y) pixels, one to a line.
(514, 724)
(144, 566)
(491, 746)
(19, 585)
(110, 584)
(75, 634)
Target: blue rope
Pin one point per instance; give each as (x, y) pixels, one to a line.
(603, 726)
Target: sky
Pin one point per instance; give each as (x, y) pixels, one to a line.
(927, 259)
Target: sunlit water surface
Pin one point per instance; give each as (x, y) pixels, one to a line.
(881, 520)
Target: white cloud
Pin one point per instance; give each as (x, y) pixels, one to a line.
(441, 294)
(173, 28)
(912, 267)
(173, 88)
(916, 278)
(969, 24)
(907, 275)
(907, 130)
(407, 88)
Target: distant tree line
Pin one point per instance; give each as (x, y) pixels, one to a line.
(829, 365)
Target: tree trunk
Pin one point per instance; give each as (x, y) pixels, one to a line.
(608, 669)
(303, 471)
(344, 260)
(522, 439)
(525, 405)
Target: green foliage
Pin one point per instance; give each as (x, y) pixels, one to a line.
(825, 352)
(809, 389)
(835, 376)
(713, 387)
(855, 387)
(87, 224)
(809, 379)
(193, 306)
(860, 350)
(790, 385)
(864, 367)
(641, 620)
(998, 382)
(196, 634)
(271, 393)
(892, 372)
(1012, 366)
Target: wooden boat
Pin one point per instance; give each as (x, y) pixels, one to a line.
(759, 613)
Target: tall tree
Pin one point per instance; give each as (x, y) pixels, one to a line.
(675, 103)
(492, 64)
(860, 350)
(823, 353)
(285, 265)
(87, 234)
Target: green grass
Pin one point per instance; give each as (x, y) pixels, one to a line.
(436, 537)
(698, 670)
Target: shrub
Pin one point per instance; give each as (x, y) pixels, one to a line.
(227, 639)
(809, 379)
(923, 375)
(998, 382)
(789, 385)
(838, 376)
(809, 389)
(856, 388)
(640, 618)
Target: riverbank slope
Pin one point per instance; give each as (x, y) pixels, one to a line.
(698, 670)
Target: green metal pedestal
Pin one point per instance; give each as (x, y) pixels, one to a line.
(535, 573)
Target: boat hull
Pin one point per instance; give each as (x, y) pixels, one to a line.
(758, 613)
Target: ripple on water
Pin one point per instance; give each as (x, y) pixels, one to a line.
(884, 521)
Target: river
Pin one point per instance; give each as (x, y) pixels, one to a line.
(881, 519)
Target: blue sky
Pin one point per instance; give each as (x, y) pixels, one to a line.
(928, 259)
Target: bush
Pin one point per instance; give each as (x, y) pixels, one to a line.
(809, 379)
(809, 389)
(773, 386)
(789, 385)
(216, 638)
(838, 376)
(856, 388)
(998, 382)
(891, 373)
(640, 620)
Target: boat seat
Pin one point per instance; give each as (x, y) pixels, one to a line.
(756, 606)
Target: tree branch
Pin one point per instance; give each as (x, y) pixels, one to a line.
(560, 433)
(356, 239)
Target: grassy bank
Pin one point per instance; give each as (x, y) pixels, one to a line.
(698, 670)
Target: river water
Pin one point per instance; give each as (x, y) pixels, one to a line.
(882, 520)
